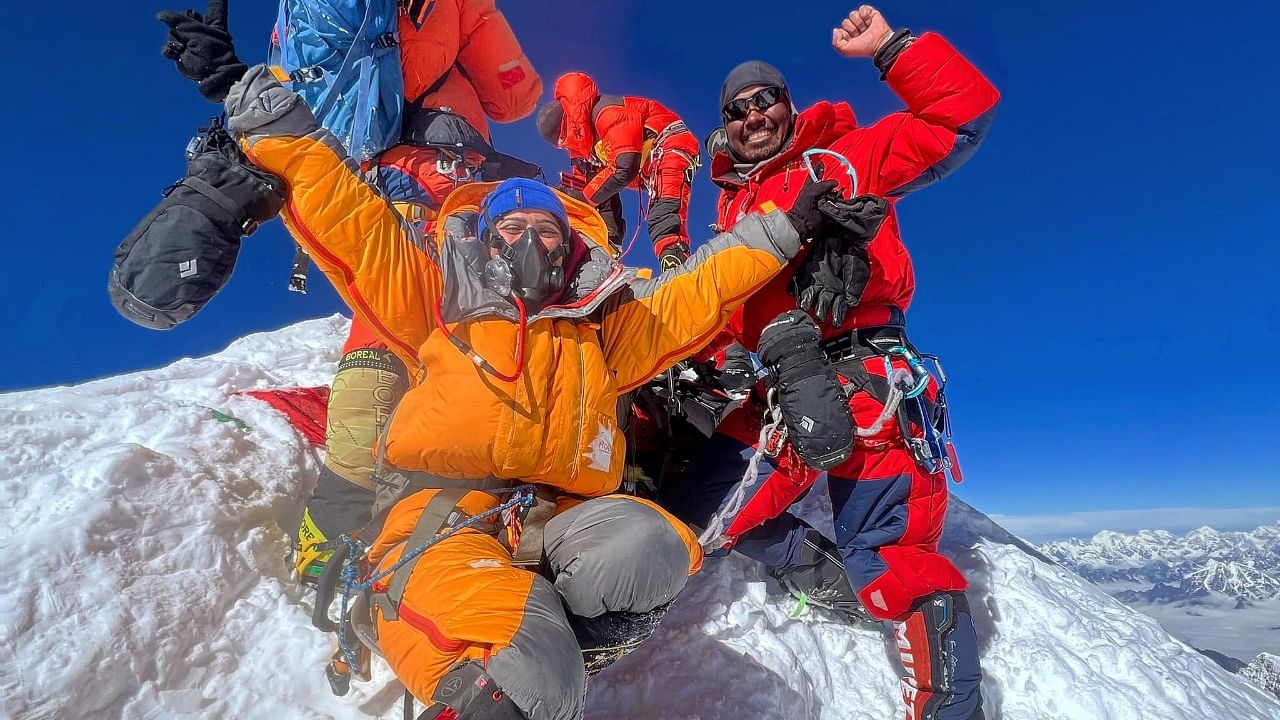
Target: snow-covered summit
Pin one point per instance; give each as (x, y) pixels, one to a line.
(147, 580)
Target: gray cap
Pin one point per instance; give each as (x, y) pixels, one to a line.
(751, 72)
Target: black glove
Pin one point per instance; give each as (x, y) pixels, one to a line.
(804, 214)
(831, 279)
(202, 48)
(672, 256)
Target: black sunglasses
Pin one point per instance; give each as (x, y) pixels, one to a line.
(762, 99)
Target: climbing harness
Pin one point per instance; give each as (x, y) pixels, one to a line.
(441, 519)
(902, 393)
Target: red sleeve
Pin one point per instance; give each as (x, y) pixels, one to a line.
(949, 110)
(621, 133)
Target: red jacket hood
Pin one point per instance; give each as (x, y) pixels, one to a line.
(815, 127)
(577, 93)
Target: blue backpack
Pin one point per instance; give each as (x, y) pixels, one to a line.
(343, 58)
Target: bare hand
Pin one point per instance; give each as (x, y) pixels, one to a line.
(862, 33)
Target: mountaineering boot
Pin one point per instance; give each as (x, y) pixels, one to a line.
(939, 651)
(606, 638)
(819, 579)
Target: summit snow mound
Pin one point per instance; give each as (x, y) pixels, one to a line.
(147, 579)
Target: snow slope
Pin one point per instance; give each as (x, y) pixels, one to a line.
(146, 581)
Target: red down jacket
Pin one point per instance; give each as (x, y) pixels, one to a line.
(949, 109)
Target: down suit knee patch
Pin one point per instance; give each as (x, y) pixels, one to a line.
(619, 553)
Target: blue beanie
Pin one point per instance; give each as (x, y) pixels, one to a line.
(521, 194)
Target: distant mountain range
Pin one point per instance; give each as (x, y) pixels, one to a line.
(1203, 569)
(1244, 566)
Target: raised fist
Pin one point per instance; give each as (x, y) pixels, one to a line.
(861, 34)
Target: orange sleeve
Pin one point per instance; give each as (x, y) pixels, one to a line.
(654, 324)
(495, 64)
(370, 254)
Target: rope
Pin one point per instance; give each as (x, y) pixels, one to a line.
(897, 378)
(642, 208)
(713, 538)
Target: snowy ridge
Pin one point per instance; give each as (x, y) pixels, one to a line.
(147, 581)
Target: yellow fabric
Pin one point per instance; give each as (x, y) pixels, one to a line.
(557, 423)
(720, 285)
(602, 153)
(361, 401)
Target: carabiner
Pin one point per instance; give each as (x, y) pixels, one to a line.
(848, 166)
(923, 377)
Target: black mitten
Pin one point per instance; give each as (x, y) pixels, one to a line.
(832, 277)
(183, 251)
(202, 48)
(814, 407)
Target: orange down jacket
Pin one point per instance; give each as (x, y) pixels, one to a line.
(556, 424)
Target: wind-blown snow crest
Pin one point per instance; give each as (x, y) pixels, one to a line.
(147, 580)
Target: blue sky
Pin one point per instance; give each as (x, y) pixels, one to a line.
(1100, 279)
